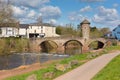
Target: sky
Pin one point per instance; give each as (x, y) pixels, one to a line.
(100, 13)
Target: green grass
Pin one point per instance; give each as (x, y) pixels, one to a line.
(51, 68)
(111, 71)
(113, 48)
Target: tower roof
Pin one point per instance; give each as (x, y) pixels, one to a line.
(85, 22)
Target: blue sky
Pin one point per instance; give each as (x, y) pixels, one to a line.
(101, 13)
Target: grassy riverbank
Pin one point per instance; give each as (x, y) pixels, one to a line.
(82, 58)
(51, 68)
(111, 71)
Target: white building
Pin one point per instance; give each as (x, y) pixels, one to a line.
(41, 30)
(27, 30)
(23, 30)
(9, 29)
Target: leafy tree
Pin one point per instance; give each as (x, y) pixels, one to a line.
(104, 30)
(66, 31)
(92, 29)
(59, 30)
(94, 32)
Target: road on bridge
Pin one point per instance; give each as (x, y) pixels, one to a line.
(89, 69)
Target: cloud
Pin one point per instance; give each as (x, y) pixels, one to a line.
(24, 14)
(30, 3)
(115, 5)
(86, 9)
(19, 11)
(27, 11)
(107, 16)
(75, 16)
(50, 12)
(31, 14)
(26, 20)
(53, 21)
(80, 15)
(91, 0)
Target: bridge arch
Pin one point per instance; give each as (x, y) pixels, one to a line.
(73, 47)
(48, 46)
(96, 44)
(72, 40)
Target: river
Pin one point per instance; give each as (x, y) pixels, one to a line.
(18, 59)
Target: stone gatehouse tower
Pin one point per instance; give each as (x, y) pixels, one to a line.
(85, 26)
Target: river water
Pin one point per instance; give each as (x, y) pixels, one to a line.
(18, 59)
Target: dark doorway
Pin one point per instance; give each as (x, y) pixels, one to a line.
(33, 35)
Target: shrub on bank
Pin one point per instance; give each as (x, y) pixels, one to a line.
(12, 45)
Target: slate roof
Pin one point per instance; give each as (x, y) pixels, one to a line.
(41, 24)
(23, 25)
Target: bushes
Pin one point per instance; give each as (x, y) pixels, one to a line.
(11, 45)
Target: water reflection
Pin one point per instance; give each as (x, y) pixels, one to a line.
(73, 47)
(16, 60)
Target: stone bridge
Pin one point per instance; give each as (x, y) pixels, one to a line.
(62, 42)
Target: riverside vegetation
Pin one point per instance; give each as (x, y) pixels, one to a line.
(13, 45)
(53, 72)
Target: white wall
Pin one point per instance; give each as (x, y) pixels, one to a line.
(9, 31)
(34, 29)
(49, 31)
(22, 31)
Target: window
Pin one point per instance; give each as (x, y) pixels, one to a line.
(118, 32)
(41, 31)
(0, 31)
(9, 31)
(34, 31)
(41, 27)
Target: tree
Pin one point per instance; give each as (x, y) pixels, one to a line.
(39, 20)
(94, 32)
(59, 30)
(67, 31)
(6, 12)
(104, 30)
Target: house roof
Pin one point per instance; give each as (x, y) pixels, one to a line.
(85, 22)
(41, 24)
(23, 25)
(9, 24)
(116, 27)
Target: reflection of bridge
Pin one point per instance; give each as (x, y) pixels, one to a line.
(62, 42)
